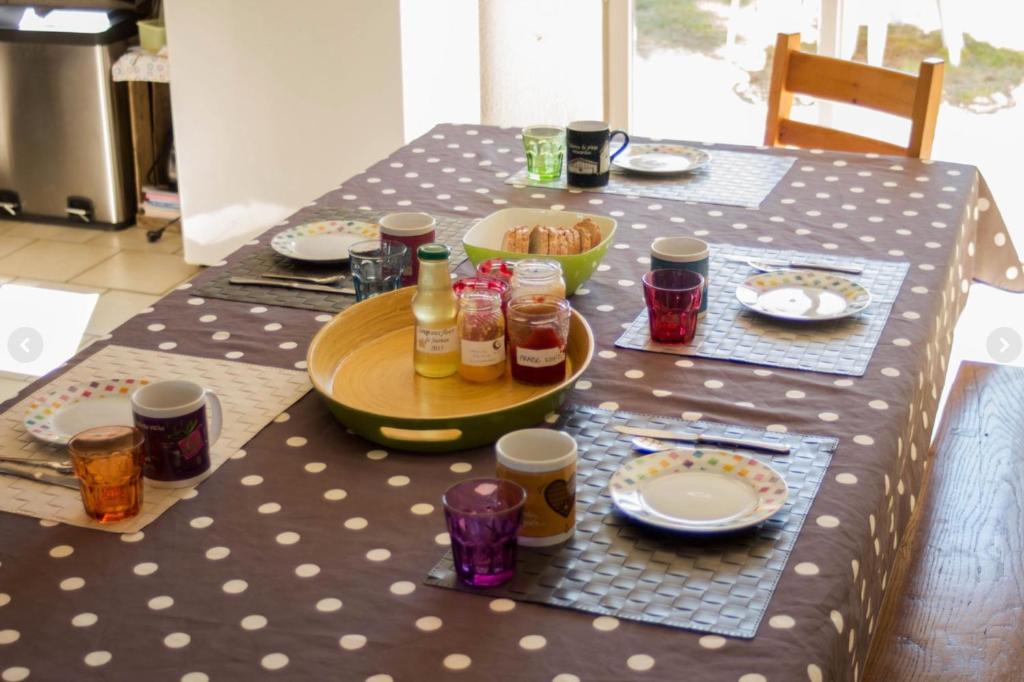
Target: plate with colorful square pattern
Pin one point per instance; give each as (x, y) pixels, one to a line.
(803, 296)
(702, 491)
(55, 416)
(324, 241)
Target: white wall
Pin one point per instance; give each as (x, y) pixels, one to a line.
(275, 103)
(440, 63)
(541, 61)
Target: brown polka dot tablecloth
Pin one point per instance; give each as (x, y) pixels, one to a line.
(315, 573)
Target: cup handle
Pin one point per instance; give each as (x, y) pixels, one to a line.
(216, 416)
(625, 143)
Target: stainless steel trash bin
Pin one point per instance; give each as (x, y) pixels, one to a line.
(65, 142)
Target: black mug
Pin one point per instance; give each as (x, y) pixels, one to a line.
(587, 154)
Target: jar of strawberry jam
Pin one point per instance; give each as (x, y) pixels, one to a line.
(538, 331)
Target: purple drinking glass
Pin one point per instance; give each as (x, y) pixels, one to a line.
(484, 515)
(673, 301)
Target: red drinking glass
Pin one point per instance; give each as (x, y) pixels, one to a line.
(673, 301)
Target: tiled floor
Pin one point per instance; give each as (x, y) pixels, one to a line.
(126, 270)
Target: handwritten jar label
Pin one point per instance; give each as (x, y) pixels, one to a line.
(444, 340)
(544, 357)
(483, 353)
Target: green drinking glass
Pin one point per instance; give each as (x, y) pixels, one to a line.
(545, 150)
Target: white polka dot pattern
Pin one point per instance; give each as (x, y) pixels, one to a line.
(838, 406)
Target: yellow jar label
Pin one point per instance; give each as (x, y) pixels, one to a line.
(444, 340)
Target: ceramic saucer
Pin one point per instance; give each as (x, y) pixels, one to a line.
(803, 296)
(698, 491)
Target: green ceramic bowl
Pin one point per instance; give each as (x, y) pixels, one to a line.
(361, 365)
(483, 241)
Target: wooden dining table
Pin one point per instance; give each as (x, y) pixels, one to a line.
(327, 553)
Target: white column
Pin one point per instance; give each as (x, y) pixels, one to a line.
(541, 61)
(618, 62)
(275, 103)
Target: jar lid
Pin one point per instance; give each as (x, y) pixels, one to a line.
(538, 308)
(480, 299)
(537, 268)
(434, 251)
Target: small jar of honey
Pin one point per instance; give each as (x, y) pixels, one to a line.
(481, 328)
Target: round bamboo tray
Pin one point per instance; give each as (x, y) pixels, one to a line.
(361, 364)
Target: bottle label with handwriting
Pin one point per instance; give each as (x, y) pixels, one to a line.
(438, 341)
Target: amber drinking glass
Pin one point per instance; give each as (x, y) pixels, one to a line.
(108, 464)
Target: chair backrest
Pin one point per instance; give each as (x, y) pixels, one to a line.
(894, 92)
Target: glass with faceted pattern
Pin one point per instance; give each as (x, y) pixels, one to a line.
(108, 464)
(673, 302)
(484, 516)
(545, 151)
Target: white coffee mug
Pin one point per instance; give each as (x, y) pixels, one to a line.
(172, 416)
(543, 461)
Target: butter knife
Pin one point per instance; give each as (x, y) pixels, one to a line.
(287, 284)
(799, 263)
(39, 475)
(733, 441)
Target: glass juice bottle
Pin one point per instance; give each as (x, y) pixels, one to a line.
(436, 351)
(481, 335)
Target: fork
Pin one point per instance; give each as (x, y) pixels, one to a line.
(326, 279)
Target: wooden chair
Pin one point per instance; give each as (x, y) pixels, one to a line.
(954, 606)
(894, 92)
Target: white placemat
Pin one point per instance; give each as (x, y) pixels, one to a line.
(251, 395)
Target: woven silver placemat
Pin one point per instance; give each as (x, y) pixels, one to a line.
(449, 230)
(730, 179)
(615, 567)
(731, 332)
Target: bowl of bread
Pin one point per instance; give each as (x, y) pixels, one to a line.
(576, 240)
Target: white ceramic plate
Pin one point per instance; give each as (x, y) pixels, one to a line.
(325, 241)
(804, 296)
(698, 491)
(54, 417)
(661, 159)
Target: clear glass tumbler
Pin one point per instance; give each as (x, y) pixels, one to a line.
(484, 516)
(376, 266)
(545, 151)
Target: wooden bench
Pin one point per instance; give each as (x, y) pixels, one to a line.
(955, 607)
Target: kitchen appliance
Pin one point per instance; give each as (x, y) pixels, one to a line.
(65, 144)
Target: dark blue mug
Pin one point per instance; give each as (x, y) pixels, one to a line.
(588, 157)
